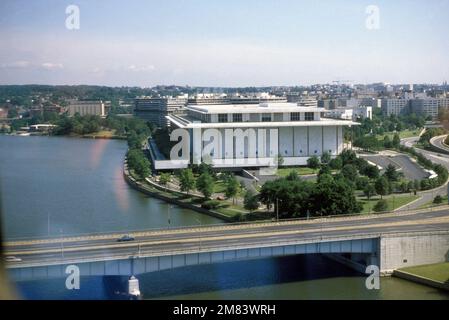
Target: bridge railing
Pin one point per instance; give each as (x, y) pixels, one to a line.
(261, 223)
(204, 248)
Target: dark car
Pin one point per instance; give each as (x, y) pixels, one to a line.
(125, 238)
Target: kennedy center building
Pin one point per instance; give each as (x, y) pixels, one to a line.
(250, 135)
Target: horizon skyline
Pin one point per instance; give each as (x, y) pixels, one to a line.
(229, 45)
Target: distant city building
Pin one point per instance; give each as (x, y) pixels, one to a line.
(219, 99)
(429, 106)
(354, 113)
(3, 113)
(156, 109)
(327, 103)
(308, 102)
(394, 106)
(86, 107)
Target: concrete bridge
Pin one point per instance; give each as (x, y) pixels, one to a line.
(389, 241)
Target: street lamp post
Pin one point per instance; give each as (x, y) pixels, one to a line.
(169, 215)
(321, 224)
(62, 243)
(277, 209)
(199, 233)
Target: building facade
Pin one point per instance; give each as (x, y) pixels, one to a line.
(155, 110)
(429, 106)
(395, 106)
(86, 107)
(252, 135)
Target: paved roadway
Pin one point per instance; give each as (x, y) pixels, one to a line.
(197, 239)
(438, 142)
(427, 196)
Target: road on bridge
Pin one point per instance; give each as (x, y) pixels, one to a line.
(206, 238)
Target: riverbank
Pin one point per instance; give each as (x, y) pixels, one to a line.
(434, 275)
(171, 197)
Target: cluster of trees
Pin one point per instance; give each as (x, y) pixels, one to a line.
(372, 143)
(139, 163)
(203, 178)
(206, 180)
(134, 129)
(381, 124)
(293, 197)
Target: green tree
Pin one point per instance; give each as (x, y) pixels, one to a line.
(313, 162)
(348, 157)
(205, 184)
(349, 171)
(325, 157)
(416, 185)
(387, 142)
(250, 201)
(333, 197)
(232, 188)
(396, 140)
(164, 179)
(370, 171)
(361, 182)
(382, 186)
(336, 163)
(186, 180)
(369, 191)
(391, 173)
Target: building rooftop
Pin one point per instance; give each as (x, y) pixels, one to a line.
(264, 107)
(185, 121)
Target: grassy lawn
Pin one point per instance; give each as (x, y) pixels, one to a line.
(219, 186)
(283, 172)
(393, 203)
(431, 204)
(402, 134)
(101, 134)
(438, 272)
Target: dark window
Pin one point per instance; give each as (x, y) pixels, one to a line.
(266, 118)
(222, 117)
(309, 116)
(237, 117)
(295, 116)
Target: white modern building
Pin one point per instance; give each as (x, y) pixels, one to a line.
(351, 113)
(252, 135)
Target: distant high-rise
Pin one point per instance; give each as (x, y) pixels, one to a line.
(155, 110)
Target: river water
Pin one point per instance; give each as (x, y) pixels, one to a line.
(65, 186)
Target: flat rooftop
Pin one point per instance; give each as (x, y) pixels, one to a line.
(185, 121)
(264, 107)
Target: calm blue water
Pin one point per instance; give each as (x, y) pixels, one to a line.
(77, 185)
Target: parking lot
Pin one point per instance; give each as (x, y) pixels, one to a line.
(403, 163)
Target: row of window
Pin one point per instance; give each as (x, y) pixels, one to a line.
(294, 116)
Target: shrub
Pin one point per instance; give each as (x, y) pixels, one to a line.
(381, 206)
(438, 199)
(210, 204)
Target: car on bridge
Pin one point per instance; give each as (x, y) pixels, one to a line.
(125, 238)
(12, 259)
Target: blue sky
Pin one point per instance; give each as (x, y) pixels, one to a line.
(223, 43)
